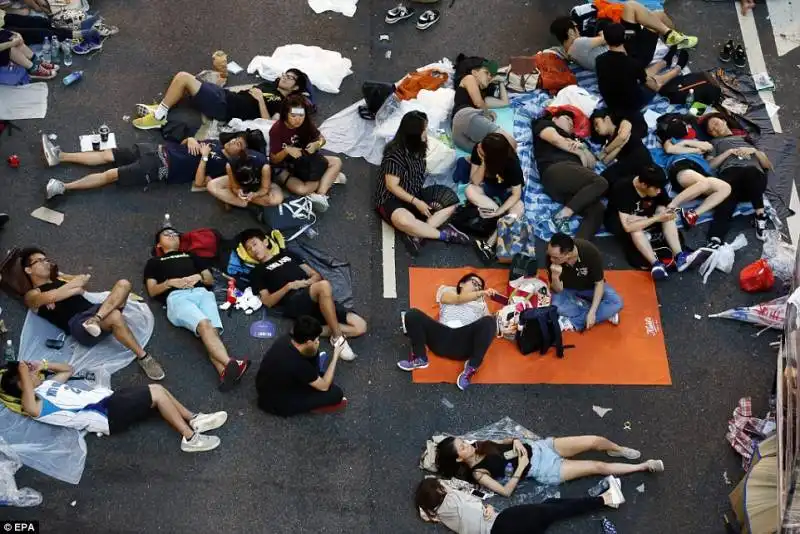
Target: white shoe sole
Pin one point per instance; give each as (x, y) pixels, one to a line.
(50, 159)
(208, 445)
(627, 453)
(211, 421)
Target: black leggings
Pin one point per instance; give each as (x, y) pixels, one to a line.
(465, 343)
(580, 189)
(535, 518)
(34, 29)
(748, 184)
(301, 401)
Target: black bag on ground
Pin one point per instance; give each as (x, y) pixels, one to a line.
(704, 86)
(468, 219)
(375, 94)
(183, 122)
(539, 330)
(310, 167)
(522, 265)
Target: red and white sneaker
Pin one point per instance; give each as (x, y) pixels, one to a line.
(49, 66)
(233, 373)
(689, 217)
(42, 73)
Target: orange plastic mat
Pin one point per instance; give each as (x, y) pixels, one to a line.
(632, 353)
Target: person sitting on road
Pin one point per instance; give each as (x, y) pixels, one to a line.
(495, 184)
(623, 152)
(248, 181)
(637, 207)
(473, 119)
(548, 461)
(645, 25)
(263, 101)
(467, 514)
(575, 268)
(566, 170)
(291, 379)
(13, 49)
(284, 280)
(144, 163)
(63, 304)
(294, 143)
(175, 279)
(101, 410)
(402, 177)
(464, 331)
(688, 171)
(742, 166)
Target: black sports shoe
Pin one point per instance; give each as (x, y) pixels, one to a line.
(761, 227)
(428, 19)
(450, 234)
(740, 57)
(396, 14)
(714, 243)
(485, 251)
(726, 53)
(412, 244)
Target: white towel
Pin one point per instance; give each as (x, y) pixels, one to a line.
(19, 102)
(345, 7)
(325, 68)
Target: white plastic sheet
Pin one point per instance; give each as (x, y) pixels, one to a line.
(345, 7)
(325, 68)
(58, 451)
(780, 255)
(10, 494)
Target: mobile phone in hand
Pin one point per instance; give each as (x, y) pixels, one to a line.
(502, 299)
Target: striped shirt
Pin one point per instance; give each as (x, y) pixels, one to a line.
(458, 315)
(65, 405)
(410, 168)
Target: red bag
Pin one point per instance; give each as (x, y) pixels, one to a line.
(757, 277)
(202, 242)
(580, 122)
(554, 72)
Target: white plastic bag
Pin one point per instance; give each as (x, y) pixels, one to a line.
(576, 96)
(722, 258)
(780, 255)
(10, 494)
(440, 157)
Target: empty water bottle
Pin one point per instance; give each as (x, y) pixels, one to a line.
(47, 54)
(55, 50)
(9, 355)
(73, 77)
(67, 53)
(167, 223)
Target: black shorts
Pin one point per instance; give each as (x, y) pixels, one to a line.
(139, 165)
(5, 55)
(79, 333)
(128, 406)
(299, 302)
(393, 204)
(682, 165)
(642, 44)
(211, 101)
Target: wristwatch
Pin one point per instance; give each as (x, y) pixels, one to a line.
(205, 158)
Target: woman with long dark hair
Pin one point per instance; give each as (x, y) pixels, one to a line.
(466, 514)
(247, 181)
(294, 144)
(402, 177)
(499, 465)
(740, 164)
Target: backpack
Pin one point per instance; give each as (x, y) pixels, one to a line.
(674, 126)
(468, 219)
(706, 90)
(375, 94)
(554, 72)
(292, 218)
(585, 18)
(539, 330)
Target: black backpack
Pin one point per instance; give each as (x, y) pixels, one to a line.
(585, 18)
(706, 89)
(539, 330)
(375, 94)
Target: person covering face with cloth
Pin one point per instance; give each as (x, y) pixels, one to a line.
(580, 292)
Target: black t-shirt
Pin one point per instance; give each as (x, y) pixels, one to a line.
(277, 272)
(242, 105)
(63, 310)
(283, 371)
(626, 199)
(587, 271)
(547, 154)
(252, 183)
(498, 466)
(171, 265)
(510, 177)
(620, 78)
(633, 154)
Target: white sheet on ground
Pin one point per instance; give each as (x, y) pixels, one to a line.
(325, 68)
(20, 102)
(345, 7)
(347, 133)
(57, 451)
(238, 125)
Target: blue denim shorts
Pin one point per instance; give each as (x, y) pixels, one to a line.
(545, 462)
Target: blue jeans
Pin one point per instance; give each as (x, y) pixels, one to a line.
(574, 305)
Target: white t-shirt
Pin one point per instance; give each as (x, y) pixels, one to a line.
(463, 513)
(458, 315)
(64, 405)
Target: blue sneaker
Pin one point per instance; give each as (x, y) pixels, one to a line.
(464, 378)
(682, 261)
(658, 271)
(87, 46)
(413, 363)
(323, 362)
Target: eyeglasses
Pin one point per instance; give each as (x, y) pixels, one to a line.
(39, 260)
(289, 76)
(476, 283)
(170, 233)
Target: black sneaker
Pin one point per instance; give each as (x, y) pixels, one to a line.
(761, 227)
(726, 53)
(396, 14)
(485, 251)
(428, 19)
(714, 243)
(4, 218)
(451, 234)
(740, 57)
(412, 244)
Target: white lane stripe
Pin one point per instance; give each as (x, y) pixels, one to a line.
(389, 267)
(755, 57)
(784, 15)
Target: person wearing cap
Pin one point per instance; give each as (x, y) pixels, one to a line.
(473, 119)
(262, 101)
(176, 280)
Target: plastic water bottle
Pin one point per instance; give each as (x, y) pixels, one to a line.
(599, 488)
(55, 48)
(67, 52)
(73, 77)
(9, 355)
(47, 54)
(690, 98)
(167, 223)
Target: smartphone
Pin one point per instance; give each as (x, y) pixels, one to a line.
(56, 343)
(502, 299)
(478, 493)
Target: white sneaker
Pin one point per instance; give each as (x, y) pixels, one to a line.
(614, 319)
(615, 491)
(341, 179)
(625, 452)
(200, 443)
(203, 422)
(655, 466)
(347, 353)
(51, 151)
(54, 188)
(319, 202)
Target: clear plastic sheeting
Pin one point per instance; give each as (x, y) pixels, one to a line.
(780, 256)
(58, 451)
(10, 494)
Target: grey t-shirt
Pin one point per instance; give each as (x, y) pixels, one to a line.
(721, 144)
(462, 513)
(582, 53)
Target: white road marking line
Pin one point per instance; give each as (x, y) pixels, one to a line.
(389, 267)
(784, 15)
(755, 57)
